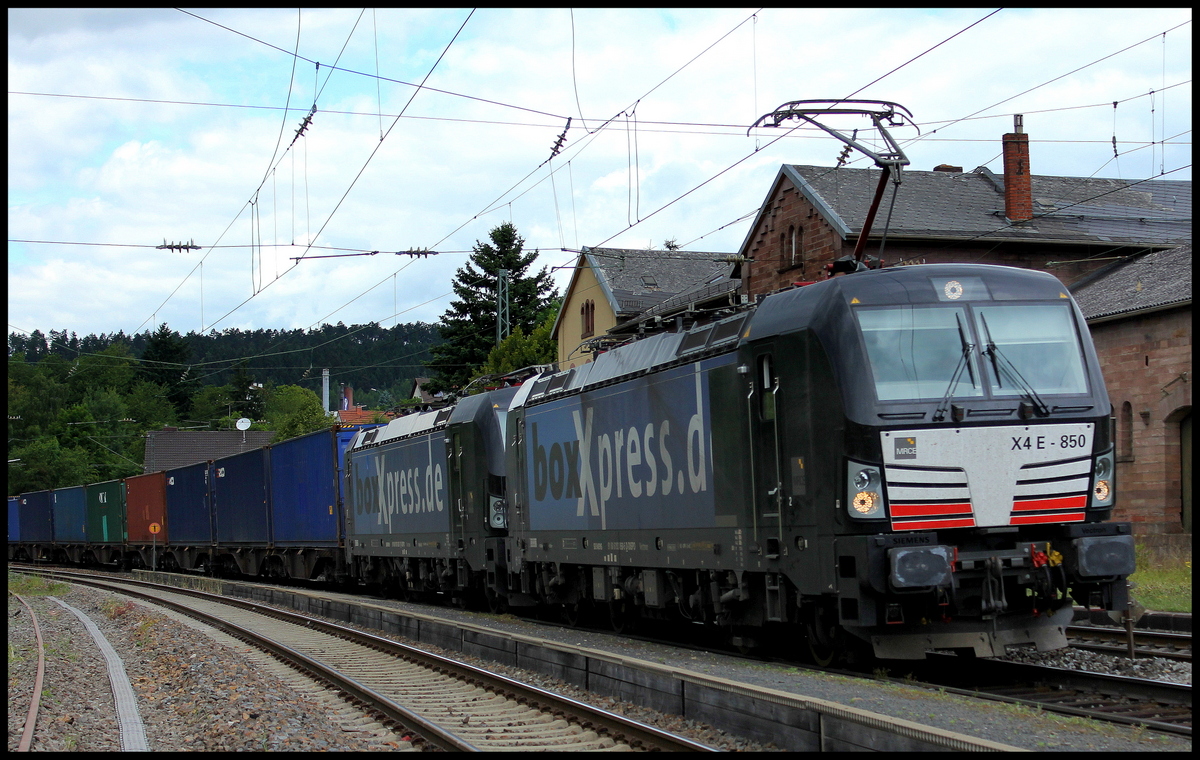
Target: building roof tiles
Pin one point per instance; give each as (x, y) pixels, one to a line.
(1147, 282)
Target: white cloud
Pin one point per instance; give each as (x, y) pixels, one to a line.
(118, 171)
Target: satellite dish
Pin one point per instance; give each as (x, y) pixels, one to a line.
(243, 424)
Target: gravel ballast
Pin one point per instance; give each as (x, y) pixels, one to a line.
(1014, 725)
(196, 694)
(193, 693)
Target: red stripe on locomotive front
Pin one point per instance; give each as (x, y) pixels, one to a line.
(928, 510)
(966, 522)
(1056, 518)
(1066, 502)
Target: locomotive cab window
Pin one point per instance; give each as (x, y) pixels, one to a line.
(1034, 342)
(915, 352)
(766, 384)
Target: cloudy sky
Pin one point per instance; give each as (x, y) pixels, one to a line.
(131, 128)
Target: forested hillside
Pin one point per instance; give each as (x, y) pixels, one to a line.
(79, 408)
(362, 356)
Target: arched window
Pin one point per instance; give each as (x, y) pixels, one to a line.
(1125, 433)
(587, 317)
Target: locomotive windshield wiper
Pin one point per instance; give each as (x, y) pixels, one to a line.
(963, 361)
(997, 357)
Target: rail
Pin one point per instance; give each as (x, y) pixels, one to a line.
(35, 702)
(436, 732)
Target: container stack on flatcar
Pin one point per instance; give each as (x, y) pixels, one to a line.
(188, 510)
(145, 507)
(69, 507)
(35, 521)
(889, 461)
(307, 513)
(106, 535)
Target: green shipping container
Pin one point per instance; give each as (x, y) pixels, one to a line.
(106, 512)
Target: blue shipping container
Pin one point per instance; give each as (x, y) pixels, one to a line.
(304, 490)
(70, 515)
(14, 519)
(37, 524)
(240, 492)
(189, 511)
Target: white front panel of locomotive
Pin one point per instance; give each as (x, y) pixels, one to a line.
(991, 457)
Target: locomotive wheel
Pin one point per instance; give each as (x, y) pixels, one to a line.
(620, 617)
(497, 604)
(574, 612)
(403, 592)
(823, 644)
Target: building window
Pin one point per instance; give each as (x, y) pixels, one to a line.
(587, 314)
(1125, 433)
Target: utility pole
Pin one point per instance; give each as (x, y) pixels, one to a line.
(502, 319)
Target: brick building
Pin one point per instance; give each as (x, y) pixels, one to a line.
(813, 215)
(1139, 311)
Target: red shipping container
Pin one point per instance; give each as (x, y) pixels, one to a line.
(145, 504)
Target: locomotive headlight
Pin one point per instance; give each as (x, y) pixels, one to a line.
(1102, 481)
(866, 503)
(864, 491)
(498, 518)
(867, 478)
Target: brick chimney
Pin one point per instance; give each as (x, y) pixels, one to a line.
(1018, 190)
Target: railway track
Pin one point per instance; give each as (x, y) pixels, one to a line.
(1157, 705)
(1173, 646)
(1068, 692)
(450, 705)
(36, 694)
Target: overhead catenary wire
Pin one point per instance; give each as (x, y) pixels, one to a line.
(385, 79)
(360, 171)
(736, 130)
(794, 128)
(1049, 81)
(552, 179)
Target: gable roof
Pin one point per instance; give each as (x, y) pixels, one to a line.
(168, 449)
(356, 416)
(639, 279)
(952, 205)
(636, 280)
(1149, 282)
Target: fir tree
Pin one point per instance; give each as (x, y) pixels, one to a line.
(166, 362)
(469, 325)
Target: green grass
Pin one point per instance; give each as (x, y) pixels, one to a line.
(34, 585)
(1164, 581)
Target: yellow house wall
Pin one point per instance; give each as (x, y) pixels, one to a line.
(570, 328)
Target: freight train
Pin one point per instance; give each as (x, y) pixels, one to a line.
(890, 461)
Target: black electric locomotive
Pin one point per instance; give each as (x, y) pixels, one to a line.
(912, 458)
(893, 460)
(425, 499)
